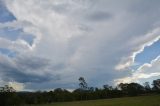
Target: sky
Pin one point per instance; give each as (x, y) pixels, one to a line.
(47, 44)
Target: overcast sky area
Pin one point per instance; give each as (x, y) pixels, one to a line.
(46, 44)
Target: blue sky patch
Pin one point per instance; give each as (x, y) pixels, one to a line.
(149, 53)
(13, 35)
(5, 15)
(7, 52)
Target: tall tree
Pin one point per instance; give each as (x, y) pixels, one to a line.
(147, 86)
(82, 83)
(156, 84)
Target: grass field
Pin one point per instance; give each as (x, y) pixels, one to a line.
(153, 100)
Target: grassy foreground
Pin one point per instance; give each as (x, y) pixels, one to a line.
(153, 100)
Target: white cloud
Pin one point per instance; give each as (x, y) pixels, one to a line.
(17, 46)
(145, 71)
(17, 86)
(141, 43)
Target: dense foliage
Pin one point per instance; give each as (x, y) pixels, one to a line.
(12, 98)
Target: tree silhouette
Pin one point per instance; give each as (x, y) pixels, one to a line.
(147, 87)
(156, 84)
(83, 85)
(8, 97)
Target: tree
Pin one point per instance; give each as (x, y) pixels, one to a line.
(147, 87)
(8, 97)
(107, 87)
(156, 84)
(131, 89)
(83, 85)
(83, 88)
(7, 88)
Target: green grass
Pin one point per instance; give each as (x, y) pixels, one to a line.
(152, 100)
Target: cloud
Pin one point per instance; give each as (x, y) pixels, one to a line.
(146, 41)
(99, 16)
(25, 70)
(145, 71)
(74, 38)
(17, 86)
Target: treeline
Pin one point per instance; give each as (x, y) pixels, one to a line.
(82, 93)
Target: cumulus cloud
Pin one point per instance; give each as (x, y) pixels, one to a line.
(74, 38)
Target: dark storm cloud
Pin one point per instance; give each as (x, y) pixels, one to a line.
(99, 16)
(58, 66)
(32, 62)
(142, 7)
(21, 70)
(19, 76)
